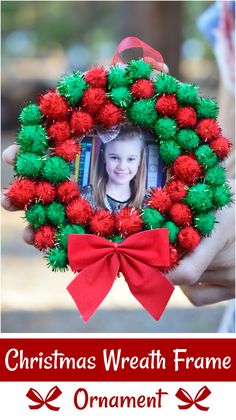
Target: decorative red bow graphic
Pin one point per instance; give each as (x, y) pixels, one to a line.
(137, 257)
(201, 395)
(35, 396)
(150, 55)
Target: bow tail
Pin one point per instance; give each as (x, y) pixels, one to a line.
(148, 285)
(90, 287)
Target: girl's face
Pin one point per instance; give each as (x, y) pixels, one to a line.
(122, 160)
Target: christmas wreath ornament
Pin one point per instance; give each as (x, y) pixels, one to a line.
(191, 145)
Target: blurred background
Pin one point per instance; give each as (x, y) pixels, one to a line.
(41, 41)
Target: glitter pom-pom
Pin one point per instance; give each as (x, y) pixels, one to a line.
(72, 87)
(81, 122)
(30, 115)
(167, 105)
(188, 139)
(56, 170)
(128, 221)
(110, 115)
(222, 196)
(174, 256)
(189, 238)
(176, 190)
(159, 200)
(143, 112)
(186, 168)
(44, 237)
(173, 231)
(56, 213)
(67, 150)
(166, 128)
(181, 214)
(169, 151)
(53, 106)
(208, 129)
(59, 131)
(206, 156)
(28, 165)
(186, 117)
(32, 138)
(57, 259)
(67, 191)
(221, 147)
(138, 69)
(187, 93)
(166, 84)
(66, 230)
(215, 175)
(93, 99)
(117, 77)
(142, 89)
(206, 108)
(152, 218)
(36, 215)
(121, 96)
(102, 223)
(22, 192)
(79, 211)
(96, 77)
(199, 197)
(45, 192)
(205, 222)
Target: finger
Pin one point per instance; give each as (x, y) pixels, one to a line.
(6, 203)
(28, 235)
(9, 154)
(200, 295)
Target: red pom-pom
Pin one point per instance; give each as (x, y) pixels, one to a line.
(221, 147)
(44, 237)
(45, 192)
(93, 99)
(186, 168)
(180, 214)
(160, 200)
(53, 106)
(59, 131)
(67, 191)
(81, 122)
(167, 105)
(79, 211)
(174, 256)
(68, 150)
(128, 221)
(186, 117)
(208, 129)
(96, 77)
(22, 192)
(109, 115)
(142, 89)
(189, 238)
(102, 223)
(176, 190)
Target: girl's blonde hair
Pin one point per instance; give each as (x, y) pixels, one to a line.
(138, 183)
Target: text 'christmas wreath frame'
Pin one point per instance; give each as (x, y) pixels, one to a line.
(191, 146)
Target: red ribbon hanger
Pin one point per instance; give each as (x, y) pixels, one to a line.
(150, 55)
(137, 257)
(35, 396)
(201, 395)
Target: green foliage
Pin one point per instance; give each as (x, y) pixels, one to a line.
(28, 165)
(72, 87)
(56, 170)
(152, 218)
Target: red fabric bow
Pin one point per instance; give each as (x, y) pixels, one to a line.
(35, 396)
(184, 396)
(150, 55)
(137, 257)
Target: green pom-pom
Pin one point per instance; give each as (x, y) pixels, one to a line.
(215, 175)
(188, 139)
(72, 87)
(165, 84)
(117, 77)
(143, 113)
(152, 218)
(187, 93)
(173, 231)
(57, 259)
(222, 196)
(28, 165)
(121, 96)
(56, 170)
(206, 108)
(32, 138)
(169, 151)
(36, 215)
(206, 156)
(205, 223)
(199, 198)
(138, 69)
(30, 115)
(117, 238)
(68, 230)
(166, 128)
(56, 213)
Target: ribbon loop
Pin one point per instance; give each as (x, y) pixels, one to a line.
(35, 396)
(150, 55)
(201, 395)
(137, 257)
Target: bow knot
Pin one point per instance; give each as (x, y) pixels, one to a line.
(137, 258)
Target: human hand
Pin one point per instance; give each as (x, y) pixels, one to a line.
(207, 274)
(8, 156)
